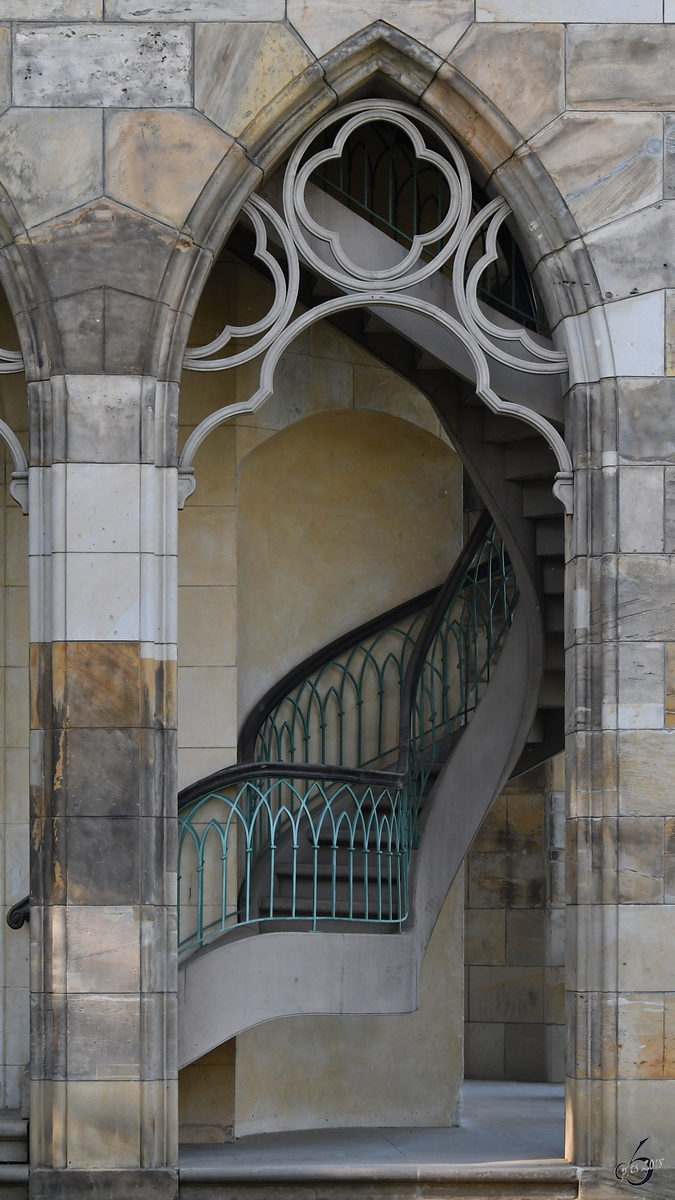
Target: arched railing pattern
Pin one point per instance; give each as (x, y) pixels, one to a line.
(289, 839)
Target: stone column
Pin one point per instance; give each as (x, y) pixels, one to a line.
(620, 972)
(103, 518)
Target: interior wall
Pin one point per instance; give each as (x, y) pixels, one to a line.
(14, 984)
(404, 1069)
(515, 933)
(339, 499)
(340, 517)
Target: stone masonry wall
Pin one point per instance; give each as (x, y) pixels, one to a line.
(514, 933)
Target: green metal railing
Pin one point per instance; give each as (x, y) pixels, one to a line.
(380, 177)
(347, 712)
(330, 839)
(460, 658)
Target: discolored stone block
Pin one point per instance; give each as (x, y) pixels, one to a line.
(51, 161)
(525, 938)
(645, 598)
(606, 165)
(103, 418)
(103, 866)
(107, 66)
(506, 994)
(241, 67)
(646, 417)
(641, 865)
(95, 247)
(484, 936)
(641, 1018)
(103, 949)
(159, 161)
(525, 1051)
(103, 1037)
(631, 255)
(484, 1050)
(520, 67)
(102, 685)
(641, 509)
(102, 772)
(82, 330)
(433, 23)
(621, 66)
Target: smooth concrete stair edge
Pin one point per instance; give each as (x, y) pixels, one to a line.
(416, 1183)
(13, 1137)
(13, 1181)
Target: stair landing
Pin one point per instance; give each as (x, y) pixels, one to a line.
(509, 1145)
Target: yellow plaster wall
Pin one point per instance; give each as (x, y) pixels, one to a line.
(330, 1072)
(340, 517)
(339, 499)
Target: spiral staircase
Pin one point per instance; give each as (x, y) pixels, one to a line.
(352, 807)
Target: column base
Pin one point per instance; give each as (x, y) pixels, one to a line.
(601, 1183)
(47, 1183)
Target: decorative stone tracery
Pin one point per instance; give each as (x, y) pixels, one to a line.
(301, 237)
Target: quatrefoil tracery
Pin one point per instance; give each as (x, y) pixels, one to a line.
(301, 234)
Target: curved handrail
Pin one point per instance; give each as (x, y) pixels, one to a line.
(422, 645)
(297, 830)
(321, 658)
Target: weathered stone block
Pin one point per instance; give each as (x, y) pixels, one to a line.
(102, 773)
(567, 10)
(196, 10)
(102, 865)
(520, 67)
(323, 24)
(109, 66)
(103, 1037)
(641, 510)
(103, 685)
(637, 330)
(643, 932)
(621, 66)
(103, 1124)
(241, 67)
(641, 1036)
(645, 597)
(51, 10)
(646, 772)
(641, 849)
(646, 418)
(525, 1050)
(51, 161)
(159, 161)
(103, 597)
(506, 994)
(103, 949)
(525, 937)
(606, 165)
(484, 1050)
(631, 256)
(103, 418)
(484, 934)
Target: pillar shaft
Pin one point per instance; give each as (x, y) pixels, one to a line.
(620, 975)
(103, 518)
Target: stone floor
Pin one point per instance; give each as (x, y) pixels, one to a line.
(506, 1129)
